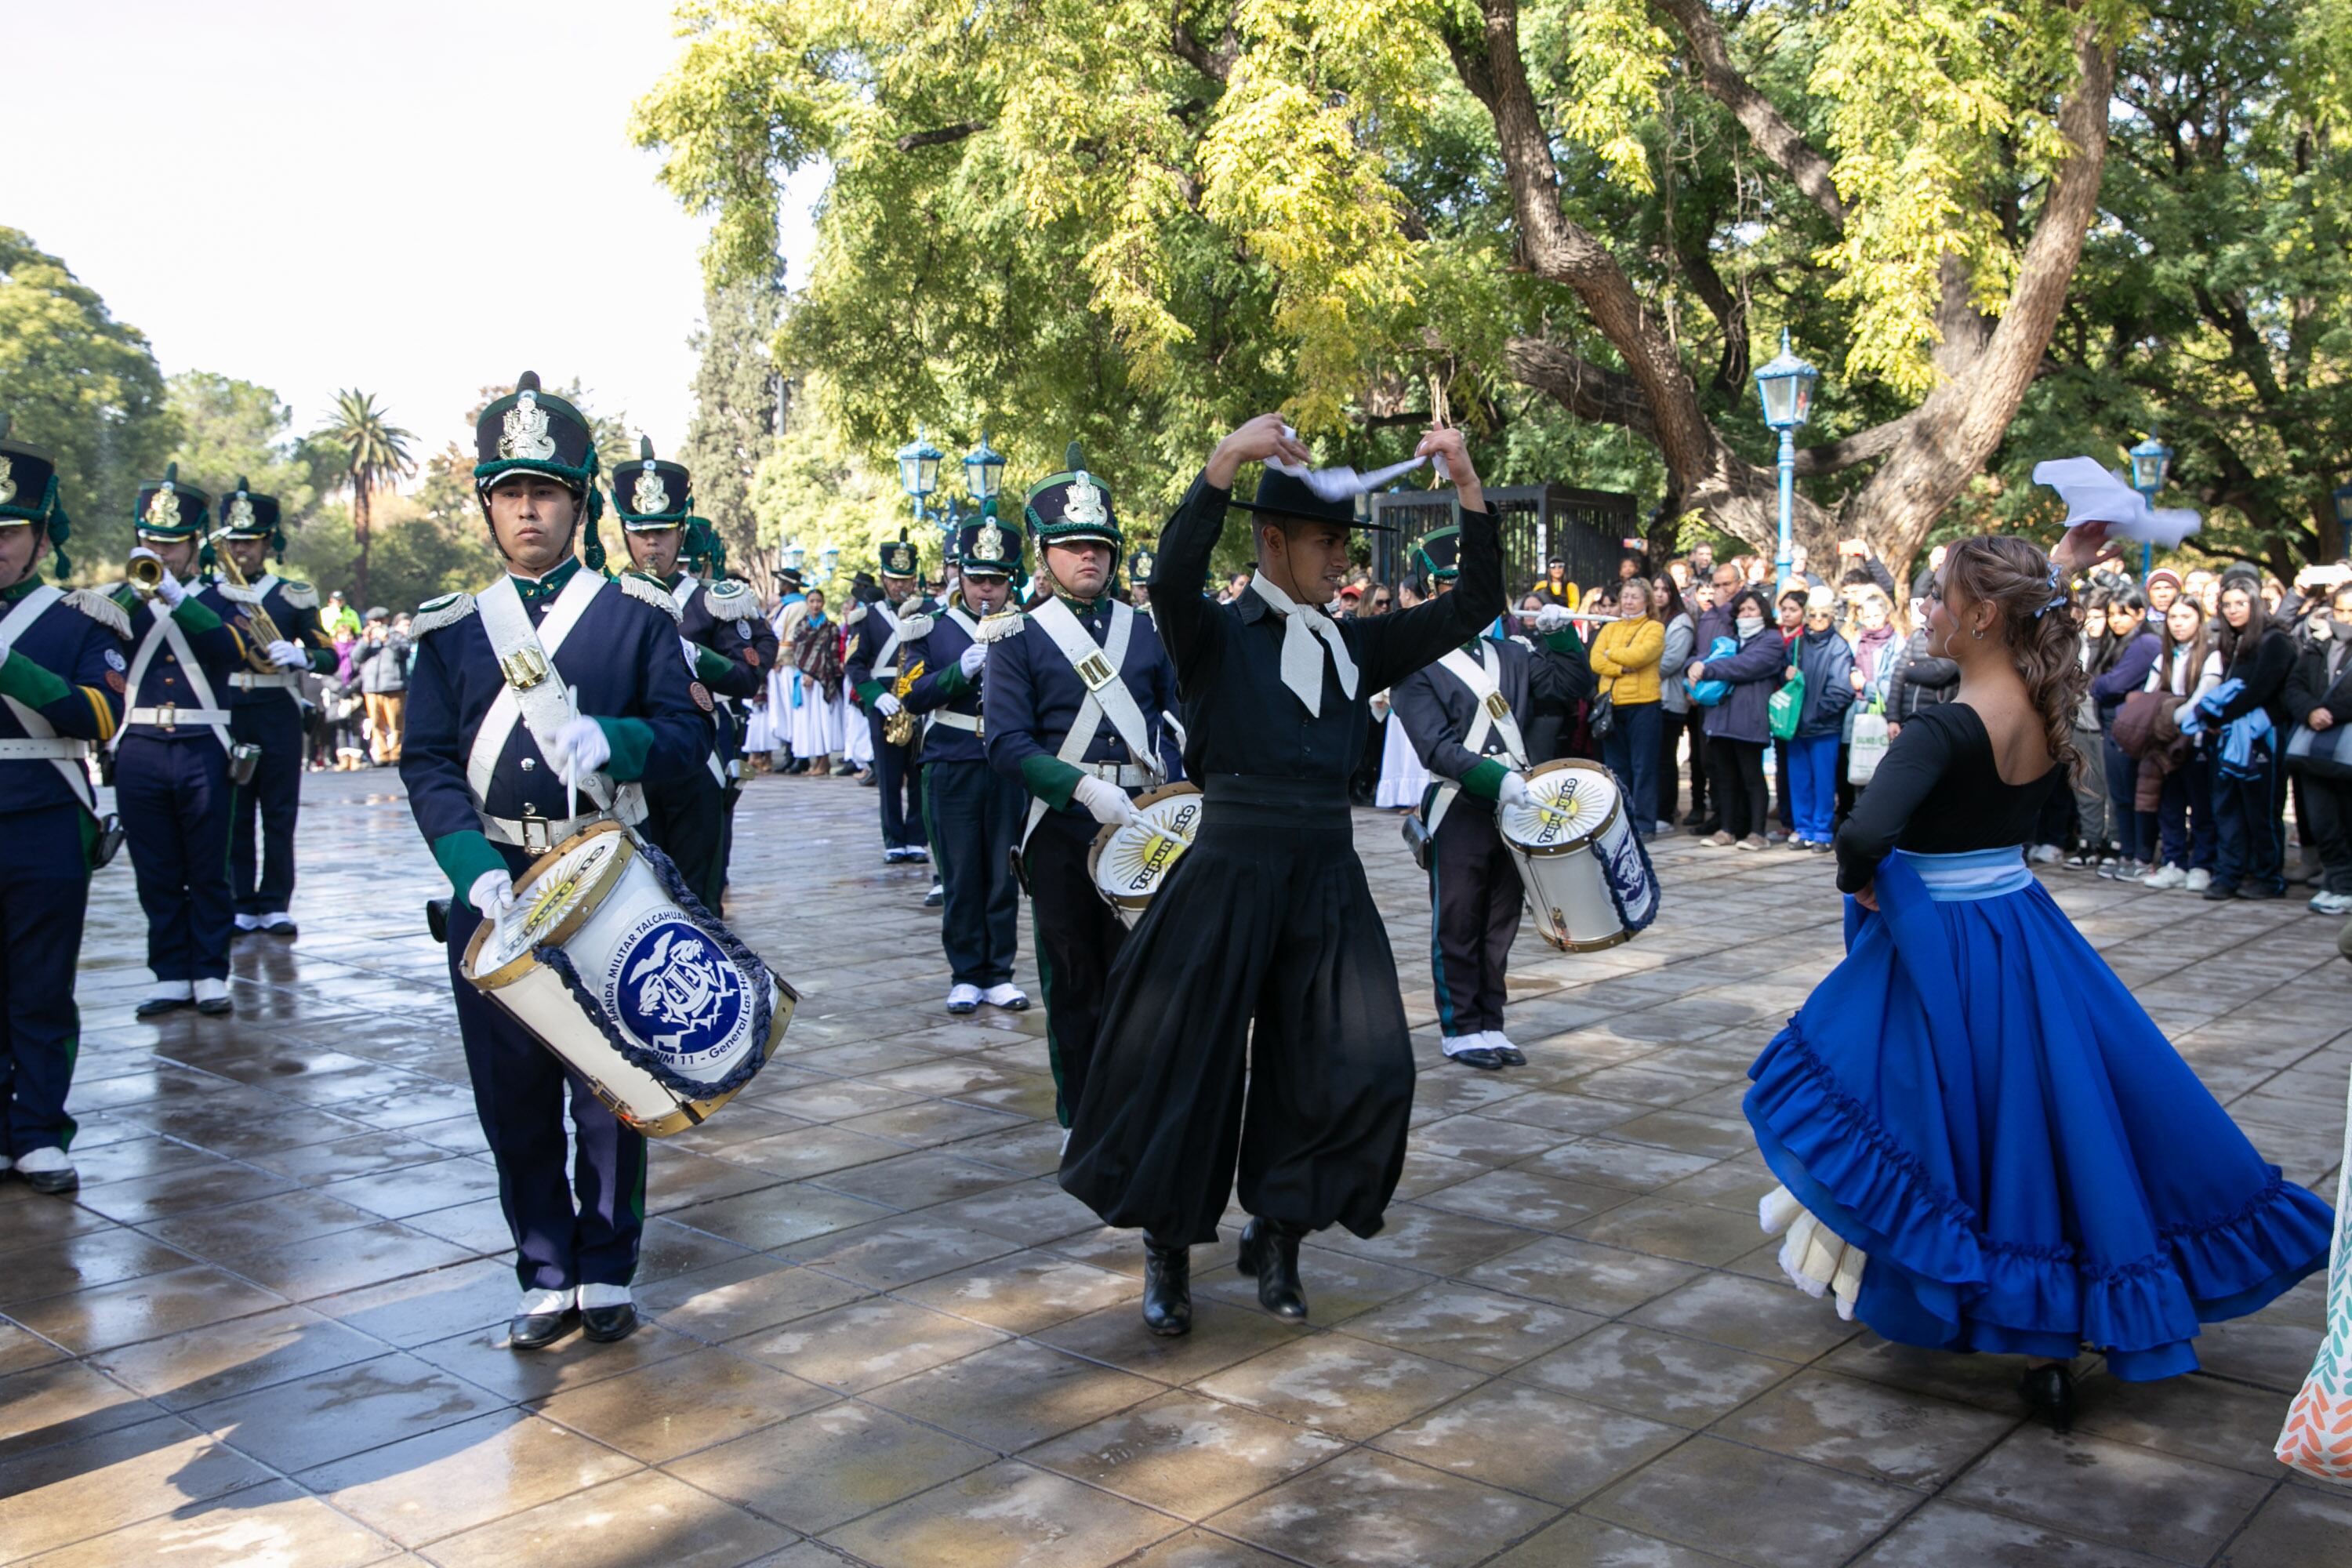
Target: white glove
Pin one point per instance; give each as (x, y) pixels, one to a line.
(693, 659)
(492, 893)
(1513, 790)
(885, 704)
(973, 657)
(288, 655)
(167, 588)
(578, 750)
(1105, 800)
(1550, 618)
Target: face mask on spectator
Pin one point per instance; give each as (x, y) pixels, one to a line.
(1749, 625)
(2343, 631)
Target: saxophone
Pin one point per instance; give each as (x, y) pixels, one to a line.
(899, 728)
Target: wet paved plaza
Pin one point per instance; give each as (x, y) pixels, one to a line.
(271, 1329)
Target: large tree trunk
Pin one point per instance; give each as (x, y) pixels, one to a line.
(360, 536)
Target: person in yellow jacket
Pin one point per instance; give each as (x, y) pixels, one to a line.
(1624, 656)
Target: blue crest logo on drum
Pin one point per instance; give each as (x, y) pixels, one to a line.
(677, 992)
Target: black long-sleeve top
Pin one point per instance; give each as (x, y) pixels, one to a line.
(1239, 718)
(2264, 669)
(1937, 791)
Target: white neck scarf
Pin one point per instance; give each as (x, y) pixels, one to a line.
(1302, 661)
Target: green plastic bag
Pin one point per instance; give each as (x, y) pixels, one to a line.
(1788, 706)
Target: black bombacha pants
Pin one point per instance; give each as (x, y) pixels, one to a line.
(1253, 1023)
(1475, 900)
(1076, 937)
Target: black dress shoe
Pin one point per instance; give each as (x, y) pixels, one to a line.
(1512, 1056)
(1270, 1252)
(2220, 890)
(2049, 1394)
(55, 1183)
(213, 1006)
(607, 1324)
(1167, 1288)
(2256, 892)
(154, 1006)
(536, 1330)
(1484, 1058)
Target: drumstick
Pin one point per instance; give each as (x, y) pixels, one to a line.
(570, 771)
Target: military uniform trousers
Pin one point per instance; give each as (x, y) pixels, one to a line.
(575, 1227)
(901, 782)
(261, 865)
(973, 816)
(172, 795)
(1253, 1022)
(689, 824)
(1076, 938)
(1475, 900)
(43, 893)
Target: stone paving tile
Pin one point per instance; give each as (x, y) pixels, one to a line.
(287, 1234)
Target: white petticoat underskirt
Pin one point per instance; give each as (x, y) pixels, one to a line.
(1814, 1256)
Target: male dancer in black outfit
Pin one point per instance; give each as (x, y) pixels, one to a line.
(1267, 920)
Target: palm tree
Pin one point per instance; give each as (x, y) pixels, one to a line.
(375, 452)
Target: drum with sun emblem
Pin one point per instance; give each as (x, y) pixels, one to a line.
(609, 963)
(1587, 874)
(1130, 861)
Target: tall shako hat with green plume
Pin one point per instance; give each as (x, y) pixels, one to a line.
(650, 492)
(168, 510)
(1140, 565)
(533, 432)
(246, 514)
(1438, 555)
(704, 550)
(29, 493)
(897, 556)
(986, 548)
(1071, 506)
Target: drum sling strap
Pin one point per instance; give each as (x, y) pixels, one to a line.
(1493, 714)
(533, 695)
(163, 630)
(1106, 694)
(43, 743)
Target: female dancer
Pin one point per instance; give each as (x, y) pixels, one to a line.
(1986, 1143)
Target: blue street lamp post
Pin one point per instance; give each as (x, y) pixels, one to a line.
(918, 476)
(2150, 460)
(1785, 386)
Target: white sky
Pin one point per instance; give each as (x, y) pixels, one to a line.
(375, 153)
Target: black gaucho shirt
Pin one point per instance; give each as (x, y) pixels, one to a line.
(1239, 718)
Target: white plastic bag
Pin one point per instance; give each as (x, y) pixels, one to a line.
(1869, 745)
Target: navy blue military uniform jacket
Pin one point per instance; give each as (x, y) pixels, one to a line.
(943, 688)
(868, 634)
(1033, 697)
(207, 620)
(1239, 718)
(293, 607)
(724, 619)
(1437, 706)
(623, 660)
(73, 680)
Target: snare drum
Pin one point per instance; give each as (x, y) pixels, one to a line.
(1128, 862)
(1587, 874)
(659, 1007)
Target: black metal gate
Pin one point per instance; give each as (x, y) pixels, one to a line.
(1585, 529)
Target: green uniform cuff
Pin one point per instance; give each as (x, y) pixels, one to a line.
(1050, 779)
(193, 615)
(463, 856)
(1485, 779)
(34, 685)
(632, 741)
(709, 664)
(323, 661)
(953, 681)
(1564, 640)
(867, 691)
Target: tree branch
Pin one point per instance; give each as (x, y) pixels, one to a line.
(1774, 137)
(1587, 390)
(940, 137)
(1831, 456)
(1217, 64)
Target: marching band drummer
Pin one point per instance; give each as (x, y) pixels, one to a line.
(61, 684)
(971, 813)
(266, 711)
(686, 820)
(1479, 750)
(1253, 1014)
(879, 630)
(1076, 712)
(489, 794)
(172, 755)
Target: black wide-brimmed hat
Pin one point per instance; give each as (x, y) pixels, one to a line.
(651, 492)
(1288, 495)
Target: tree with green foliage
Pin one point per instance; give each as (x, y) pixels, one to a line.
(84, 387)
(736, 391)
(374, 455)
(1135, 223)
(230, 428)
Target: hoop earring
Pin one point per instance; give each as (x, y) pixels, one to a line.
(1978, 633)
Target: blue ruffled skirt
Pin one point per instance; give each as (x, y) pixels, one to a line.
(1974, 1099)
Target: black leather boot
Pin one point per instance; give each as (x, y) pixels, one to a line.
(1167, 1288)
(2049, 1393)
(1270, 1251)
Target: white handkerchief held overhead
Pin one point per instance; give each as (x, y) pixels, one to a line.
(1346, 484)
(2094, 493)
(1302, 659)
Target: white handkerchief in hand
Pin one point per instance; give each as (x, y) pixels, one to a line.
(2094, 493)
(1343, 484)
